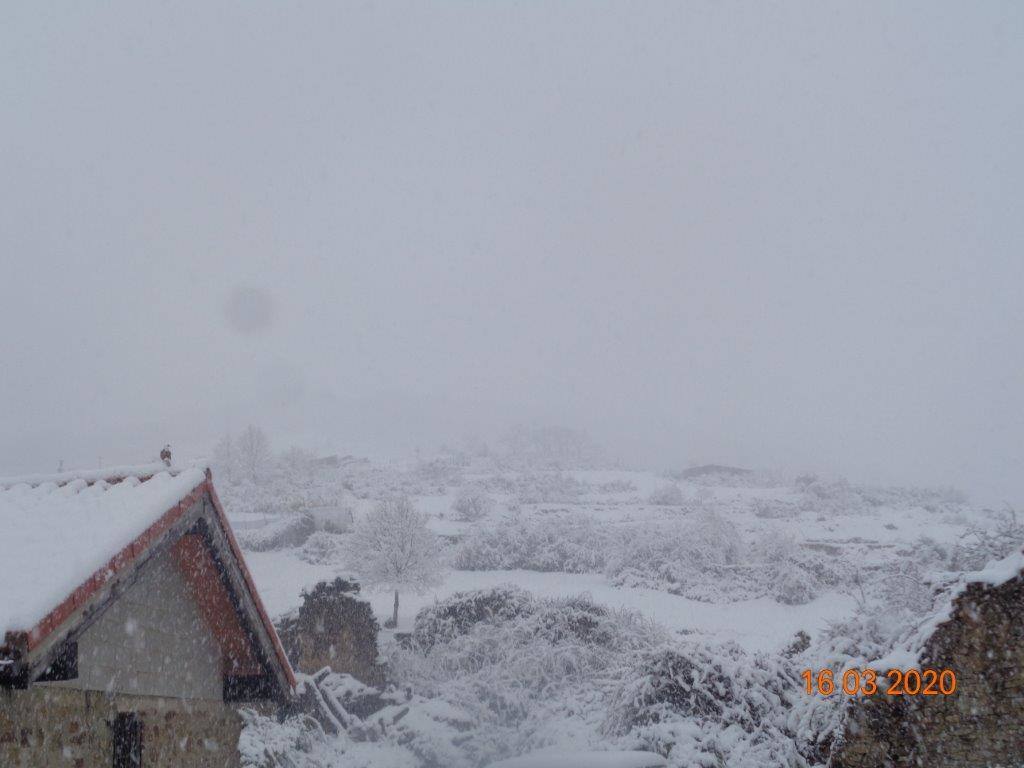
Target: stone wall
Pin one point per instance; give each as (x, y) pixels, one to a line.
(982, 724)
(45, 726)
(333, 629)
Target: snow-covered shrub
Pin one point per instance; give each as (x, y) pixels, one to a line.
(795, 574)
(841, 497)
(334, 518)
(701, 705)
(515, 667)
(297, 465)
(458, 613)
(771, 509)
(323, 548)
(980, 545)
(818, 722)
(296, 742)
(568, 543)
(698, 681)
(431, 730)
(289, 531)
(835, 497)
(793, 587)
(667, 496)
(677, 556)
(472, 504)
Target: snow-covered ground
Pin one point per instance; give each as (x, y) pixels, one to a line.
(725, 569)
(757, 625)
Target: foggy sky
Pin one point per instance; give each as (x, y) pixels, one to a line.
(779, 235)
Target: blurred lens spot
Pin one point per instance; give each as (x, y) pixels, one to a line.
(249, 311)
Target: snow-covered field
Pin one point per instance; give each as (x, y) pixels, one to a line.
(718, 572)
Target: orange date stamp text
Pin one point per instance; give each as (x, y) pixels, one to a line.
(867, 682)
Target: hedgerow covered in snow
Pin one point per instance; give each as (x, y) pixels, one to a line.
(703, 557)
(566, 543)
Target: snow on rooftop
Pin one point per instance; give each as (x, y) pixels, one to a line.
(57, 530)
(92, 475)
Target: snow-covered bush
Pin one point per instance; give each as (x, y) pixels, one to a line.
(701, 705)
(841, 497)
(512, 662)
(296, 742)
(792, 576)
(818, 722)
(290, 531)
(472, 504)
(568, 543)
(676, 556)
(770, 509)
(706, 559)
(980, 545)
(460, 612)
(793, 587)
(297, 465)
(670, 495)
(431, 730)
(337, 518)
(323, 548)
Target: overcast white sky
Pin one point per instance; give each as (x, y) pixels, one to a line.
(783, 234)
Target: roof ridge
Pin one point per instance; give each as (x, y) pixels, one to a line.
(110, 475)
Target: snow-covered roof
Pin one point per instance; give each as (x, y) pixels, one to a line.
(56, 531)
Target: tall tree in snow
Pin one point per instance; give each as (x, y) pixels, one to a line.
(253, 451)
(392, 548)
(225, 457)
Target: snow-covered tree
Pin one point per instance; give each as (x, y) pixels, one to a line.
(670, 495)
(225, 458)
(297, 464)
(392, 548)
(253, 451)
(472, 504)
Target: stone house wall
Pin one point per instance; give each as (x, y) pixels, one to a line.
(47, 727)
(150, 653)
(982, 724)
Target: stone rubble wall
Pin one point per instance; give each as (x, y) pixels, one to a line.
(46, 726)
(982, 724)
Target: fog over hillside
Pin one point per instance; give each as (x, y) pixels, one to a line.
(765, 236)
